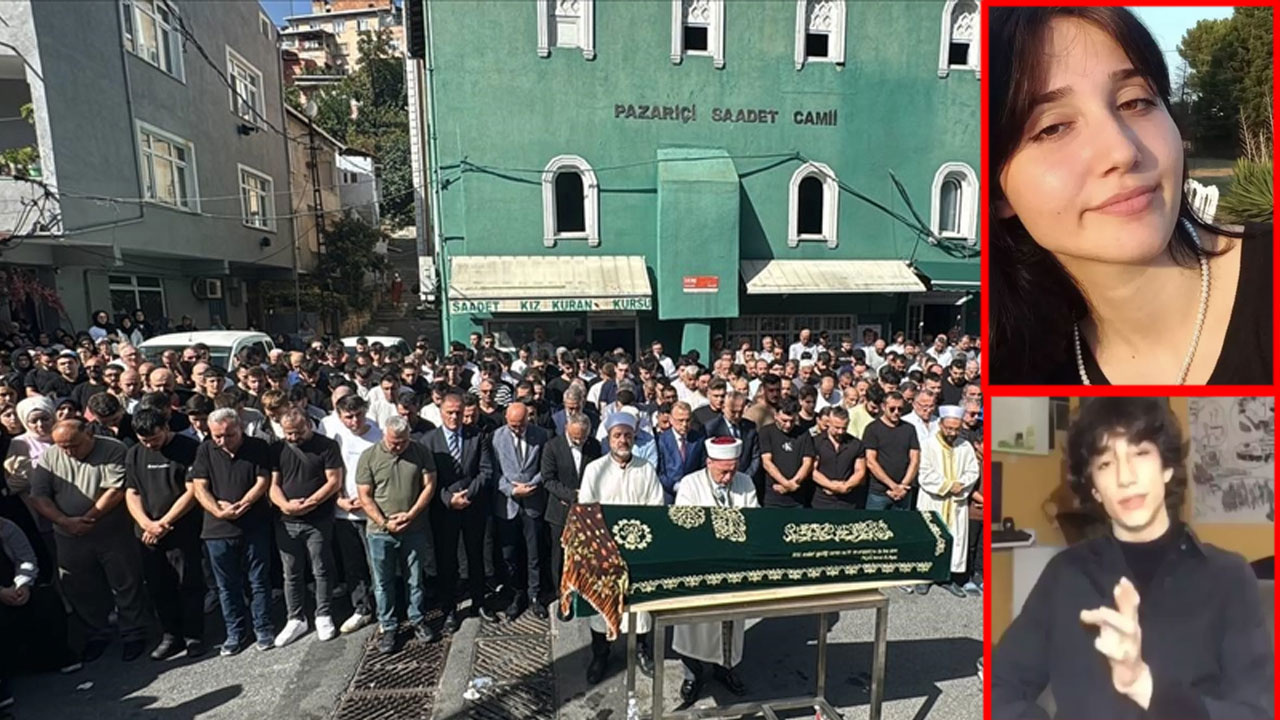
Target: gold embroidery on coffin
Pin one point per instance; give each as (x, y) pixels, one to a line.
(775, 574)
(729, 524)
(687, 516)
(632, 534)
(941, 545)
(864, 531)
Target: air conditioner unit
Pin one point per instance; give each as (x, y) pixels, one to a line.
(207, 288)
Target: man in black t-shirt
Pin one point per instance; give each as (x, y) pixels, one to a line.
(893, 457)
(306, 474)
(161, 503)
(840, 474)
(787, 456)
(230, 476)
(57, 384)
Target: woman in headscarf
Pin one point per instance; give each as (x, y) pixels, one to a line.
(143, 325)
(101, 326)
(36, 414)
(130, 331)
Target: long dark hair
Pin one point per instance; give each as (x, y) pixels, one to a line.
(1034, 300)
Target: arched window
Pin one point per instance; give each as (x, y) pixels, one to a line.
(697, 28)
(819, 31)
(814, 206)
(570, 201)
(954, 202)
(961, 31)
(567, 24)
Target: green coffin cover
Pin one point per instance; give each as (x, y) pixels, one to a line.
(684, 550)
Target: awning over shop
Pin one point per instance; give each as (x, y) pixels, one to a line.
(789, 277)
(537, 283)
(953, 275)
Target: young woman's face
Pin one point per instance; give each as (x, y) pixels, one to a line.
(1098, 175)
(1129, 480)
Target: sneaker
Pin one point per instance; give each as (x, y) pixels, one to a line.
(71, 668)
(971, 588)
(293, 630)
(924, 589)
(955, 589)
(908, 589)
(230, 647)
(195, 648)
(387, 642)
(324, 628)
(355, 622)
(264, 645)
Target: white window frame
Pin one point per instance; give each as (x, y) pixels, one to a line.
(267, 27)
(234, 59)
(586, 28)
(146, 168)
(835, 54)
(944, 42)
(135, 288)
(166, 33)
(591, 199)
(968, 202)
(269, 202)
(715, 33)
(339, 25)
(830, 205)
(363, 25)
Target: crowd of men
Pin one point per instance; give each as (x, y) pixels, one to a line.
(169, 487)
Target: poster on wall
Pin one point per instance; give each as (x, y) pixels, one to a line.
(1020, 425)
(1232, 459)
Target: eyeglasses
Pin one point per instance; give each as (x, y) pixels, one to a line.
(894, 410)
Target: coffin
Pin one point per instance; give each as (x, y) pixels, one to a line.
(620, 555)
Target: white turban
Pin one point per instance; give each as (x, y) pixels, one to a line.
(723, 448)
(951, 411)
(620, 418)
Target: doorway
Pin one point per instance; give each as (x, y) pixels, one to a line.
(605, 334)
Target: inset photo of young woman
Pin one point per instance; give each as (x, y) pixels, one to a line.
(1132, 569)
(1130, 219)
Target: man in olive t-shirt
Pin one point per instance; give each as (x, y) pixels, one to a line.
(79, 486)
(396, 479)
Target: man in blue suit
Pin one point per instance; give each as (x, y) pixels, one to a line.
(731, 423)
(680, 450)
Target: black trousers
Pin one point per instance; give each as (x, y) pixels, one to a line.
(557, 555)
(975, 559)
(353, 553)
(521, 538)
(175, 581)
(34, 634)
(447, 526)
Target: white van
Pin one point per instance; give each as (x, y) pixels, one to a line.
(224, 345)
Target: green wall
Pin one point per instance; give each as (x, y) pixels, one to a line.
(506, 112)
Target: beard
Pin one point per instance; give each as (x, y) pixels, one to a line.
(622, 456)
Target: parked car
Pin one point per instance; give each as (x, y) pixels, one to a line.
(390, 342)
(224, 345)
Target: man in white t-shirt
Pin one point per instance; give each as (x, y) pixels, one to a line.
(668, 367)
(354, 434)
(805, 345)
(940, 350)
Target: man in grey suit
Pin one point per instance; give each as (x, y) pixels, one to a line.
(520, 501)
(464, 470)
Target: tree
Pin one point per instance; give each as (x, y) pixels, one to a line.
(348, 255)
(1229, 77)
(368, 111)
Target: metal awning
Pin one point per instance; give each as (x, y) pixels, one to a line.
(540, 283)
(794, 277)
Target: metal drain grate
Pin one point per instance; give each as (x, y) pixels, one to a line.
(512, 659)
(530, 700)
(400, 686)
(526, 624)
(385, 705)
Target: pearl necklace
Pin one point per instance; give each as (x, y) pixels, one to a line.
(1195, 336)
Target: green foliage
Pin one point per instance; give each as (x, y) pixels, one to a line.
(1250, 196)
(1229, 78)
(381, 123)
(348, 254)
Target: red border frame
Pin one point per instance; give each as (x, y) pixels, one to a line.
(990, 391)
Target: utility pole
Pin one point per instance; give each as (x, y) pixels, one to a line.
(317, 197)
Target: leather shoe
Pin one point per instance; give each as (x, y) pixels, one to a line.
(730, 680)
(487, 615)
(514, 609)
(689, 691)
(539, 611)
(132, 650)
(956, 590)
(452, 622)
(645, 663)
(93, 650)
(168, 647)
(595, 671)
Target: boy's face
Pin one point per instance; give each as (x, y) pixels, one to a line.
(1129, 480)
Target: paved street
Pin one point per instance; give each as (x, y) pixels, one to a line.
(934, 642)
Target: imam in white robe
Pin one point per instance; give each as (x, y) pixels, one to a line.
(606, 482)
(948, 474)
(705, 641)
